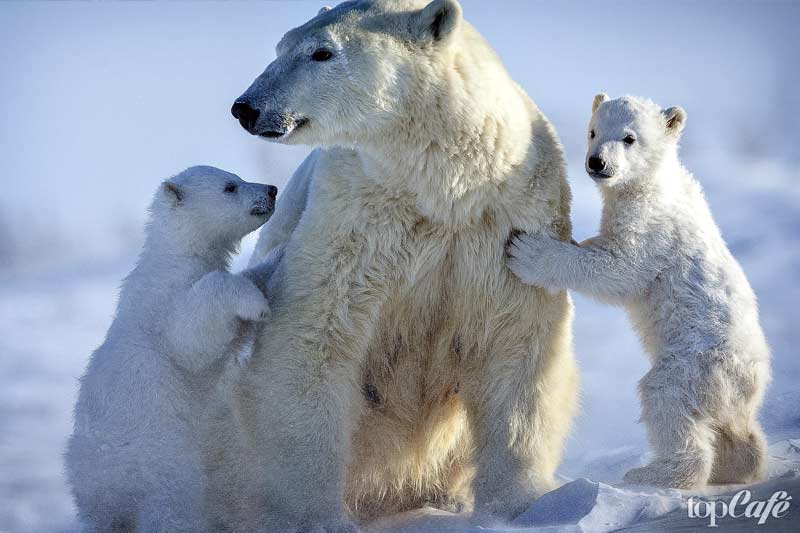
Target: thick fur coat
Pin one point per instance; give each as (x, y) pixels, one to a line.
(137, 457)
(404, 363)
(661, 256)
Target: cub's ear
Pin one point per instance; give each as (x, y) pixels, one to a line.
(173, 192)
(324, 9)
(676, 120)
(598, 99)
(437, 21)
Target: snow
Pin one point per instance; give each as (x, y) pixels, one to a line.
(589, 506)
(108, 99)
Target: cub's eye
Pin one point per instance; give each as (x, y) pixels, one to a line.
(629, 139)
(591, 134)
(322, 55)
(231, 187)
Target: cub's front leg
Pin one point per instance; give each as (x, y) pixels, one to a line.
(208, 316)
(595, 267)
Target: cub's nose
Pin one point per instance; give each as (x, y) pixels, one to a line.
(596, 164)
(246, 115)
(272, 191)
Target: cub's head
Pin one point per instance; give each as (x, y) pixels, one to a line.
(350, 71)
(210, 205)
(629, 137)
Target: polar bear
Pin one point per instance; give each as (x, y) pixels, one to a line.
(135, 458)
(661, 256)
(403, 363)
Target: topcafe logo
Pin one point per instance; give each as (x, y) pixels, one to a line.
(741, 506)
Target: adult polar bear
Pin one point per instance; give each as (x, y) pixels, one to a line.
(403, 360)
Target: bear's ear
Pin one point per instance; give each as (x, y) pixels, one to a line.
(324, 9)
(598, 99)
(437, 21)
(676, 120)
(173, 192)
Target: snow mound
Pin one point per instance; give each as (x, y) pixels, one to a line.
(784, 458)
(584, 506)
(580, 506)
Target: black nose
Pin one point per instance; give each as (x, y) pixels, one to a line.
(246, 115)
(596, 164)
(272, 191)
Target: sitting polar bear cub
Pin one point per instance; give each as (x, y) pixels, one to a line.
(136, 458)
(660, 254)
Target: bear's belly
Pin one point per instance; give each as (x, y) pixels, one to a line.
(411, 443)
(409, 436)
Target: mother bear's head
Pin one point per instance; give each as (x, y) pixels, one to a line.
(352, 72)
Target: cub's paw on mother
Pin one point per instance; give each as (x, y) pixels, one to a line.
(531, 257)
(251, 304)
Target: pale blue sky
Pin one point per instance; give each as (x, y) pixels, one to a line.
(101, 100)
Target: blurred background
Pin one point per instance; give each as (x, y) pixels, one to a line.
(101, 101)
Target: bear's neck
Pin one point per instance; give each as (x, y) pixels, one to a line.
(459, 145)
(658, 190)
(178, 248)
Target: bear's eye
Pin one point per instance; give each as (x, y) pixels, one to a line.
(591, 134)
(230, 187)
(629, 139)
(322, 55)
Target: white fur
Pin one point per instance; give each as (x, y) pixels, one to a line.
(404, 364)
(136, 458)
(661, 256)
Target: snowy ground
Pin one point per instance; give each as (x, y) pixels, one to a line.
(106, 100)
(587, 506)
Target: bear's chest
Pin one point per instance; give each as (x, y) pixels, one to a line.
(430, 324)
(456, 257)
(451, 273)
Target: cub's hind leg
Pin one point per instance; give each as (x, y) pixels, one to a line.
(675, 411)
(740, 455)
(104, 486)
(740, 447)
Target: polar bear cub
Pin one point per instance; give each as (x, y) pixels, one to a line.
(135, 459)
(661, 255)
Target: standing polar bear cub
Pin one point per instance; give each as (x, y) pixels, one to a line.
(135, 458)
(660, 254)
